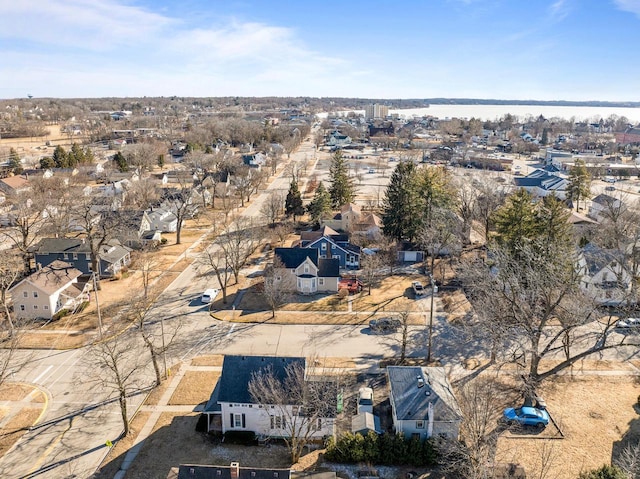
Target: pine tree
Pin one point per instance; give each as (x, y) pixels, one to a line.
(579, 187)
(15, 165)
(121, 161)
(89, 159)
(160, 161)
(320, 204)
(47, 162)
(293, 203)
(516, 220)
(75, 156)
(554, 230)
(401, 206)
(435, 191)
(342, 189)
(60, 157)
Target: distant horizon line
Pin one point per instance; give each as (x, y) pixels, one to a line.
(391, 102)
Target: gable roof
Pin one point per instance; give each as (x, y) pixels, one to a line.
(53, 277)
(603, 199)
(412, 402)
(328, 267)
(61, 245)
(293, 257)
(188, 471)
(15, 182)
(238, 370)
(597, 258)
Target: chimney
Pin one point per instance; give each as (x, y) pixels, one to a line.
(420, 382)
(234, 468)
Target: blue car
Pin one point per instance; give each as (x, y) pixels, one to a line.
(526, 416)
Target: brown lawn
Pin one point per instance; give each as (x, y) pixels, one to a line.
(194, 388)
(595, 414)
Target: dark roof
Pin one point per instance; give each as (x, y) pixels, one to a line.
(328, 267)
(238, 370)
(61, 245)
(598, 258)
(187, 471)
(293, 257)
(603, 199)
(411, 402)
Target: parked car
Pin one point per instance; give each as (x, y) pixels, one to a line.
(628, 324)
(365, 400)
(418, 289)
(372, 170)
(610, 188)
(526, 416)
(209, 295)
(384, 325)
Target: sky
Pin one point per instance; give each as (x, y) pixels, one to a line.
(504, 49)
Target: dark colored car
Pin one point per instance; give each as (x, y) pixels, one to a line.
(384, 325)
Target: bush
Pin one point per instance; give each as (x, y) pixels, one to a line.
(388, 450)
(60, 314)
(244, 438)
(163, 241)
(604, 472)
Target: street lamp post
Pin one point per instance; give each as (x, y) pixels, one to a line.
(434, 290)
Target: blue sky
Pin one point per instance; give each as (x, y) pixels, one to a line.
(507, 49)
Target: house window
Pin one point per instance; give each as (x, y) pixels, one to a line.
(415, 435)
(65, 256)
(419, 424)
(45, 307)
(318, 424)
(88, 256)
(25, 294)
(306, 268)
(35, 294)
(237, 420)
(35, 306)
(278, 278)
(321, 281)
(333, 246)
(278, 422)
(22, 308)
(75, 256)
(323, 246)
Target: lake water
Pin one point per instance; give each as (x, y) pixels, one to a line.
(492, 112)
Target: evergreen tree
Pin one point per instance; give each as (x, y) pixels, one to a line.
(160, 161)
(47, 162)
(545, 136)
(15, 165)
(320, 204)
(75, 156)
(342, 189)
(516, 220)
(579, 187)
(121, 161)
(554, 230)
(604, 472)
(89, 159)
(60, 157)
(293, 203)
(401, 211)
(434, 190)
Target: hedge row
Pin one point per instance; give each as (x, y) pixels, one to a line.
(387, 450)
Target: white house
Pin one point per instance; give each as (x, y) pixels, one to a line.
(603, 275)
(304, 271)
(603, 206)
(48, 290)
(422, 402)
(232, 408)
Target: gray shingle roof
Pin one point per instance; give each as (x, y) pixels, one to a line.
(53, 277)
(412, 402)
(61, 245)
(187, 471)
(328, 267)
(237, 372)
(293, 257)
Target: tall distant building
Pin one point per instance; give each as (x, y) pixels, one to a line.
(376, 111)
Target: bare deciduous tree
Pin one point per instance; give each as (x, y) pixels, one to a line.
(273, 207)
(301, 402)
(11, 267)
(277, 285)
(116, 364)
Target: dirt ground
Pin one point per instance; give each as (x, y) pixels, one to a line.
(597, 415)
(22, 409)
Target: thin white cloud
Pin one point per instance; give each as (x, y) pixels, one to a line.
(631, 6)
(559, 10)
(84, 24)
